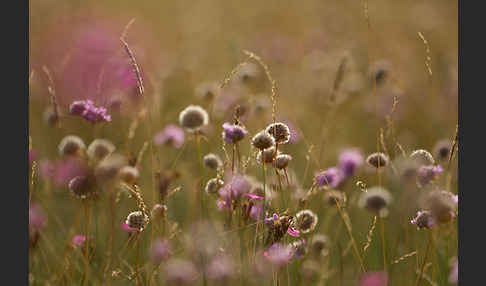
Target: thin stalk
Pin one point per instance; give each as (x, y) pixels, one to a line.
(425, 259)
(383, 242)
(86, 245)
(264, 197)
(201, 171)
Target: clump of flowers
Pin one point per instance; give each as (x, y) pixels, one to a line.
(90, 112)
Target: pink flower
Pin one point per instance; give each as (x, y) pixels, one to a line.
(254, 197)
(279, 254)
(374, 279)
(78, 240)
(293, 232)
(171, 135)
(126, 228)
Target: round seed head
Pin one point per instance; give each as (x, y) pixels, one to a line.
(377, 160)
(158, 211)
(71, 145)
(248, 72)
(262, 140)
(213, 185)
(81, 186)
(331, 196)
(99, 149)
(376, 200)
(423, 157)
(137, 220)
(441, 205)
(212, 161)
(129, 174)
(442, 149)
(279, 131)
(193, 117)
(424, 219)
(306, 221)
(269, 155)
(108, 168)
(319, 244)
(282, 161)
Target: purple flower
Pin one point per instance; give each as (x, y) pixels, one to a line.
(279, 254)
(37, 219)
(221, 268)
(294, 133)
(349, 161)
(331, 177)
(254, 197)
(126, 228)
(78, 240)
(160, 250)
(233, 133)
(428, 173)
(256, 212)
(239, 186)
(61, 172)
(172, 135)
(379, 278)
(87, 110)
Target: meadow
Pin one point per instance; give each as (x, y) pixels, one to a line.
(243, 143)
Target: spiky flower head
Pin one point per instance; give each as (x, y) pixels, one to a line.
(137, 220)
(331, 196)
(212, 161)
(262, 140)
(129, 174)
(306, 221)
(193, 118)
(71, 145)
(376, 200)
(233, 133)
(377, 160)
(100, 148)
(424, 219)
(213, 185)
(269, 155)
(282, 161)
(280, 132)
(423, 157)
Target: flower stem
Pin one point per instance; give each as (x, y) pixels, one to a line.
(264, 197)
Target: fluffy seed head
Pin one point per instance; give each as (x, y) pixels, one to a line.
(137, 220)
(268, 155)
(212, 161)
(262, 140)
(306, 221)
(129, 174)
(279, 131)
(377, 160)
(376, 200)
(99, 149)
(282, 161)
(193, 117)
(423, 157)
(71, 145)
(213, 186)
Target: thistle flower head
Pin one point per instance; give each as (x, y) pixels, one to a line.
(282, 161)
(279, 131)
(269, 155)
(171, 135)
(193, 118)
(377, 160)
(424, 219)
(99, 149)
(213, 185)
(71, 145)
(330, 178)
(262, 140)
(212, 161)
(306, 221)
(129, 174)
(349, 161)
(136, 220)
(376, 200)
(233, 133)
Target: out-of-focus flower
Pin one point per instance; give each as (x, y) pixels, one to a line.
(330, 178)
(100, 148)
(90, 112)
(193, 118)
(376, 200)
(233, 133)
(423, 157)
(180, 272)
(78, 241)
(256, 212)
(212, 161)
(379, 278)
(377, 160)
(60, 173)
(279, 254)
(171, 135)
(442, 149)
(426, 174)
(349, 161)
(424, 219)
(160, 251)
(37, 218)
(221, 268)
(300, 248)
